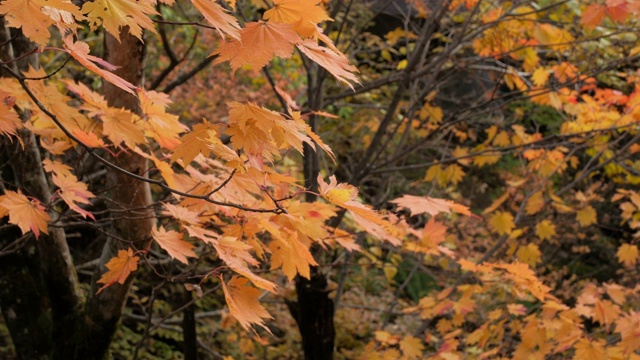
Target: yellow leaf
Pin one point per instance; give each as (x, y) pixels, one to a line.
(586, 216)
(540, 76)
(120, 267)
(117, 14)
(628, 254)
(535, 203)
(529, 254)
(502, 139)
(502, 223)
(411, 347)
(243, 303)
(390, 272)
(171, 241)
(27, 214)
(545, 230)
(496, 203)
(302, 14)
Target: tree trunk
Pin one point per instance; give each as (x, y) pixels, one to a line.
(103, 311)
(38, 281)
(314, 309)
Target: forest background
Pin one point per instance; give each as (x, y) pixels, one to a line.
(377, 180)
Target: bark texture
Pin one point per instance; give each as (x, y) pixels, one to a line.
(39, 285)
(103, 311)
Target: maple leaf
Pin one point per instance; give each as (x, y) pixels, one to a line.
(120, 267)
(9, 120)
(236, 255)
(411, 347)
(344, 195)
(73, 192)
(428, 205)
(627, 254)
(293, 256)
(171, 241)
(218, 17)
(193, 143)
(80, 51)
(243, 303)
(122, 126)
(529, 254)
(589, 350)
(222, 151)
(502, 223)
(335, 63)
(535, 203)
(260, 132)
(163, 127)
(303, 14)
(545, 230)
(27, 214)
(586, 216)
(593, 15)
(117, 14)
(182, 214)
(259, 42)
(36, 16)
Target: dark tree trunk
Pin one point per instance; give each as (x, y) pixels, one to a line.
(314, 312)
(314, 309)
(39, 291)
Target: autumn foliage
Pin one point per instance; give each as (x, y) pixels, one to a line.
(499, 219)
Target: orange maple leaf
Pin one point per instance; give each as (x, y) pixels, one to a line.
(9, 120)
(590, 350)
(344, 195)
(74, 192)
(27, 214)
(171, 241)
(432, 206)
(628, 254)
(243, 303)
(120, 267)
(302, 14)
(165, 128)
(117, 14)
(236, 255)
(292, 255)
(36, 16)
(182, 214)
(123, 126)
(218, 17)
(335, 63)
(193, 143)
(80, 51)
(259, 42)
(261, 132)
